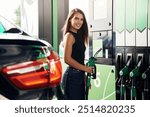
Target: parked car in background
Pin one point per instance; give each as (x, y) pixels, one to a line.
(29, 67)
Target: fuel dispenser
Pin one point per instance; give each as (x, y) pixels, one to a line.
(132, 30)
(101, 36)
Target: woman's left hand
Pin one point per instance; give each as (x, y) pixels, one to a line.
(89, 69)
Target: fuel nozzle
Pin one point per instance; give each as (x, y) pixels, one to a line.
(145, 91)
(91, 63)
(123, 74)
(133, 75)
(136, 72)
(90, 76)
(125, 71)
(146, 74)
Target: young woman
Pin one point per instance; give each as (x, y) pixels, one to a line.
(75, 41)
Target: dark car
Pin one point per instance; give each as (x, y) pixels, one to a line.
(29, 67)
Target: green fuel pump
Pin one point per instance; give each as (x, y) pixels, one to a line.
(133, 75)
(123, 75)
(90, 76)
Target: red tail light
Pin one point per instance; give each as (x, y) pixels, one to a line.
(55, 69)
(43, 72)
(28, 75)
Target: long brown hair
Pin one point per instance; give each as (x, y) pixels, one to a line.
(83, 30)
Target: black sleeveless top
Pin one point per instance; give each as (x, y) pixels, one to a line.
(78, 48)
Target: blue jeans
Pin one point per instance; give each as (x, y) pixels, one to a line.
(74, 84)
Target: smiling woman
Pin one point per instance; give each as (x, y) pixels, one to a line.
(75, 41)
